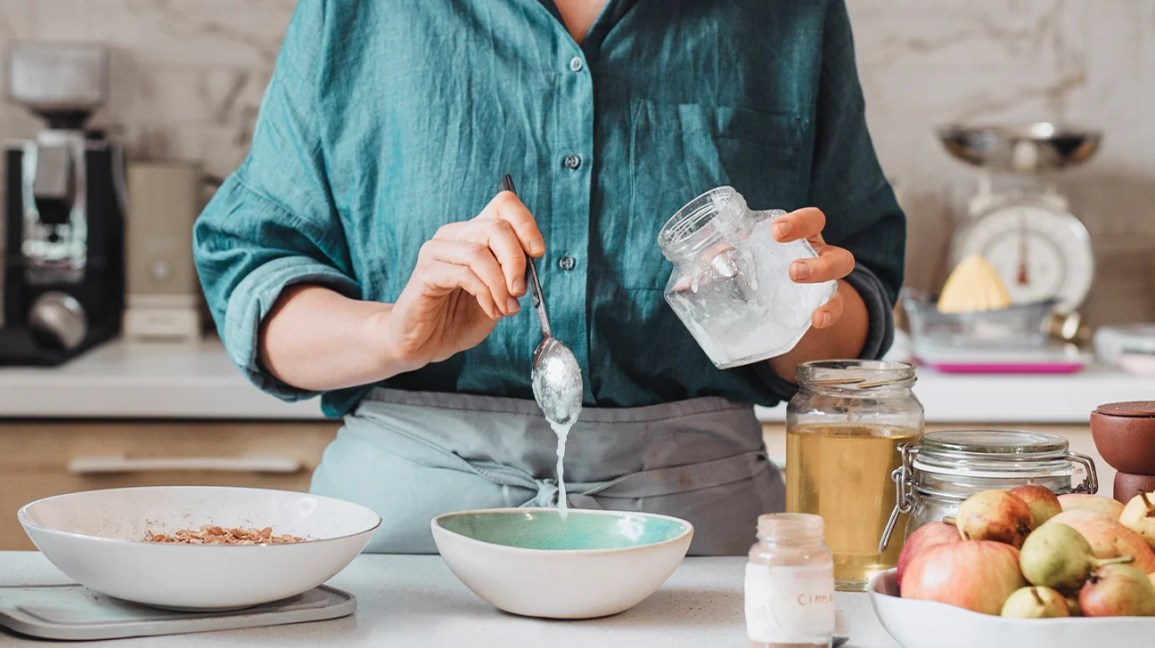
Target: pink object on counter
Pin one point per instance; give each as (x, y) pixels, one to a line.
(1066, 367)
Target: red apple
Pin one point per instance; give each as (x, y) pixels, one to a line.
(994, 515)
(979, 575)
(1042, 500)
(1108, 538)
(1117, 590)
(1082, 501)
(924, 537)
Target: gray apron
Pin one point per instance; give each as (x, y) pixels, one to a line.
(412, 456)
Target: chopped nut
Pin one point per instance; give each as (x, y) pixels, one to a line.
(212, 534)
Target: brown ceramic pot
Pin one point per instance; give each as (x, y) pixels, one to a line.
(1124, 434)
(1127, 485)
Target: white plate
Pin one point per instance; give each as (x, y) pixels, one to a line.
(920, 624)
(96, 538)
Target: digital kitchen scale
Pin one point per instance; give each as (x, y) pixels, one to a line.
(1026, 230)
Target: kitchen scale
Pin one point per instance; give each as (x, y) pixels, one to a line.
(1027, 232)
(1024, 227)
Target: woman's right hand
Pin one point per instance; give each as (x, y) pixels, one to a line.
(467, 277)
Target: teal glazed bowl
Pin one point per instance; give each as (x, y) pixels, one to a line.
(533, 563)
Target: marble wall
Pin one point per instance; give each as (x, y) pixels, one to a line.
(188, 77)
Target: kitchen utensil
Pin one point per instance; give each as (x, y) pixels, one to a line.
(75, 613)
(1124, 434)
(97, 539)
(556, 377)
(1032, 147)
(534, 563)
(1028, 233)
(1016, 327)
(916, 624)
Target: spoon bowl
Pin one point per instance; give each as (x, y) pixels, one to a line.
(557, 381)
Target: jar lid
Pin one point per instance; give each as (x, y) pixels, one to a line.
(1130, 409)
(1012, 444)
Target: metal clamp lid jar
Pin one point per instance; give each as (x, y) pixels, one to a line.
(948, 466)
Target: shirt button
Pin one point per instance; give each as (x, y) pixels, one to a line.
(576, 64)
(572, 161)
(566, 263)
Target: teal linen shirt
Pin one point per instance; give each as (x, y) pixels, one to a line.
(385, 120)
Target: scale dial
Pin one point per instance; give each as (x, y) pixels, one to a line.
(1041, 252)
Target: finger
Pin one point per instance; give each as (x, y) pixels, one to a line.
(829, 313)
(502, 241)
(831, 263)
(446, 277)
(508, 207)
(478, 258)
(799, 224)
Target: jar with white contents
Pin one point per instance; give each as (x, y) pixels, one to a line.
(731, 283)
(790, 583)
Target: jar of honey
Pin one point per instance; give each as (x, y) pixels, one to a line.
(844, 429)
(948, 466)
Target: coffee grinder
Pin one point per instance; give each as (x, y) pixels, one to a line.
(63, 286)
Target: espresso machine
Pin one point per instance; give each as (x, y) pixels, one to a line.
(63, 285)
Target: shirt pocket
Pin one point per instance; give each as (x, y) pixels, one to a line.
(678, 151)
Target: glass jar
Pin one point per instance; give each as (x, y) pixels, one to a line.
(790, 584)
(948, 466)
(731, 285)
(844, 429)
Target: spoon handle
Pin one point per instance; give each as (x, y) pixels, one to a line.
(531, 274)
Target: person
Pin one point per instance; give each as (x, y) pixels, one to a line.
(362, 251)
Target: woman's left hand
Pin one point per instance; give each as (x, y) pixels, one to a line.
(833, 263)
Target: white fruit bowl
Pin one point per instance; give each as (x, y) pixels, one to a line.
(917, 624)
(531, 562)
(97, 539)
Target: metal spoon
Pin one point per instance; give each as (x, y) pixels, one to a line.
(556, 377)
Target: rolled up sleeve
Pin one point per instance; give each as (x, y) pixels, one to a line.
(273, 223)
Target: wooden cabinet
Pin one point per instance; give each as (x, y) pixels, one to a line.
(43, 458)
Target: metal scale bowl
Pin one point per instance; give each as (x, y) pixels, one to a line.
(1028, 233)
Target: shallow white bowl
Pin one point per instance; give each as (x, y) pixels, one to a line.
(96, 538)
(530, 562)
(917, 624)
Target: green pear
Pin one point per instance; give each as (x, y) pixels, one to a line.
(1036, 603)
(1057, 556)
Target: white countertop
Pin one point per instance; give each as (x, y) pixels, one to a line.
(123, 380)
(416, 601)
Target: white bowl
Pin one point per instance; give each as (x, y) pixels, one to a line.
(97, 539)
(530, 562)
(916, 624)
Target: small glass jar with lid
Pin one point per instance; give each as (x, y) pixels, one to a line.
(948, 466)
(731, 285)
(844, 429)
(790, 583)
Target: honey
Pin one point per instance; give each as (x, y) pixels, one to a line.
(843, 474)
